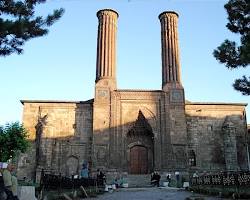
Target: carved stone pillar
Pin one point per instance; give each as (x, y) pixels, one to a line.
(170, 49)
(106, 46)
(230, 147)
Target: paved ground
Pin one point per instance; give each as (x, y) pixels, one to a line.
(150, 194)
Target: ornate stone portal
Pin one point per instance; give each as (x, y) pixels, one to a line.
(134, 131)
(140, 143)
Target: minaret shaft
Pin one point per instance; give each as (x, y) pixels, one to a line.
(170, 48)
(106, 45)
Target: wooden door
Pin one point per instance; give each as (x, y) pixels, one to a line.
(138, 160)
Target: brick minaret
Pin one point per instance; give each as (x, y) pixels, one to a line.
(174, 139)
(106, 47)
(170, 50)
(104, 89)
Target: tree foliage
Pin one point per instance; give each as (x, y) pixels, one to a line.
(231, 54)
(18, 24)
(13, 139)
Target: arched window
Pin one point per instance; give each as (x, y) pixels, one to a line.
(72, 165)
(191, 158)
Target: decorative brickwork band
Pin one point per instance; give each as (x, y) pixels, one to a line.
(170, 48)
(106, 44)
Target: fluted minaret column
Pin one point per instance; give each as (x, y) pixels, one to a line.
(106, 45)
(170, 49)
(175, 137)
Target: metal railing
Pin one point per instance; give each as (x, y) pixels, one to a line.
(57, 182)
(223, 178)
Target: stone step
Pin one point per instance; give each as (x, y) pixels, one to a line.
(133, 180)
(142, 180)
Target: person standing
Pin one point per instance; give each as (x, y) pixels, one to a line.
(169, 177)
(14, 186)
(10, 183)
(3, 195)
(101, 178)
(84, 171)
(153, 179)
(158, 178)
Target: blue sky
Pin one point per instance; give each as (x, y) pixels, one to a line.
(61, 65)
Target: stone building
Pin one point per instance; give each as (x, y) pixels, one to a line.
(134, 131)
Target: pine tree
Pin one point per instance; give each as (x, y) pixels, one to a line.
(231, 54)
(18, 24)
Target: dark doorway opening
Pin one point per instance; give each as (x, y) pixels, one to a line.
(140, 143)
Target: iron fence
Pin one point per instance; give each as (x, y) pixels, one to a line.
(57, 182)
(224, 179)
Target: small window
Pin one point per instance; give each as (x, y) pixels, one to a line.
(210, 127)
(191, 158)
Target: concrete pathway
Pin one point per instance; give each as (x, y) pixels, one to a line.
(150, 194)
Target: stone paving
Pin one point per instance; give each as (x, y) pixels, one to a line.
(151, 194)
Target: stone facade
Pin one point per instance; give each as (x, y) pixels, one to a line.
(61, 135)
(217, 135)
(134, 131)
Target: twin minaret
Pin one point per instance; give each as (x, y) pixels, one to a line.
(169, 48)
(106, 48)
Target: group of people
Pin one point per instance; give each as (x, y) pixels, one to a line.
(100, 176)
(101, 179)
(155, 179)
(8, 182)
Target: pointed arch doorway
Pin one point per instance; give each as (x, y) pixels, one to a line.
(140, 140)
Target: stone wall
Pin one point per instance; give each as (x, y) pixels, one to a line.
(61, 136)
(177, 129)
(207, 139)
(113, 118)
(164, 116)
(128, 107)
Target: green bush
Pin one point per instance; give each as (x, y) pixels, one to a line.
(28, 183)
(172, 183)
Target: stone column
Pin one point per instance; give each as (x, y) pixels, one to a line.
(170, 48)
(230, 147)
(106, 45)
